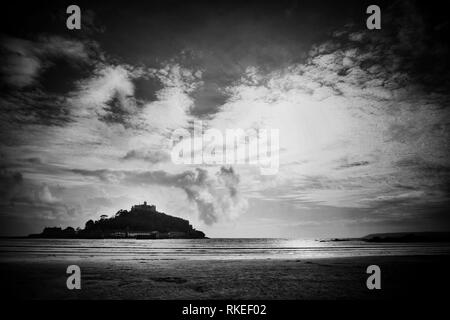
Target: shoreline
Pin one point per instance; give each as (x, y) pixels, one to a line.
(291, 279)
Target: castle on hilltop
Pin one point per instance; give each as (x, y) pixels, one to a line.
(144, 206)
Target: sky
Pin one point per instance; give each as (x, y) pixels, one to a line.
(87, 116)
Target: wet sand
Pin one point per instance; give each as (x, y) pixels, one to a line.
(403, 277)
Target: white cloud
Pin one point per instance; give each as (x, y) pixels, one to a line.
(95, 92)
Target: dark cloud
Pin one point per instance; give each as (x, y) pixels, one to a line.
(151, 156)
(207, 100)
(61, 76)
(229, 178)
(406, 51)
(15, 191)
(9, 183)
(354, 164)
(146, 88)
(34, 107)
(417, 163)
(117, 109)
(25, 60)
(34, 160)
(37, 76)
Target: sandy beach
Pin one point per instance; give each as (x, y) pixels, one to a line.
(328, 278)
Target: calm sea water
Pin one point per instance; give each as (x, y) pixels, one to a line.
(205, 249)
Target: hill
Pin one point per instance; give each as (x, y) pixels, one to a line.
(408, 237)
(400, 237)
(141, 222)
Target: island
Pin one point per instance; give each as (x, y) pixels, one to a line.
(399, 237)
(141, 222)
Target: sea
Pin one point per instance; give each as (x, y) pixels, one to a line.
(195, 249)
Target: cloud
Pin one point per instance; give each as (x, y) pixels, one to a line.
(34, 108)
(17, 191)
(24, 60)
(10, 182)
(151, 156)
(354, 164)
(109, 90)
(357, 103)
(171, 109)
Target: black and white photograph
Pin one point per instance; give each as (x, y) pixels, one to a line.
(224, 151)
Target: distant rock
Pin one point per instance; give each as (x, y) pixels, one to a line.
(399, 237)
(141, 222)
(408, 237)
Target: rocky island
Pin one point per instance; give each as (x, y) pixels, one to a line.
(141, 222)
(402, 237)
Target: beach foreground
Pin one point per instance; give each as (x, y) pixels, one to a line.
(402, 277)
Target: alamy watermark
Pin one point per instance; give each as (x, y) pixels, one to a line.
(212, 146)
(74, 280)
(373, 22)
(374, 280)
(74, 20)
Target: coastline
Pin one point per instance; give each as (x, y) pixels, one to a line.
(403, 277)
